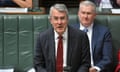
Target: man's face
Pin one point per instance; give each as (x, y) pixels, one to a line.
(86, 15)
(59, 21)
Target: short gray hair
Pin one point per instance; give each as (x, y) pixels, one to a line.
(86, 3)
(59, 7)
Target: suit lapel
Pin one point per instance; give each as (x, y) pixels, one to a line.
(70, 46)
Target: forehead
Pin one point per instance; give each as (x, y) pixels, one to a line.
(56, 12)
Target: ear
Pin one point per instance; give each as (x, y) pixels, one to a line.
(78, 13)
(95, 15)
(50, 21)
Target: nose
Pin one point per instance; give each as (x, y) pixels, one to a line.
(59, 21)
(85, 15)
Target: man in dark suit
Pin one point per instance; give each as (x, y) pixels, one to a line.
(76, 55)
(99, 38)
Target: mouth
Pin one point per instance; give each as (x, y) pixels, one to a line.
(60, 26)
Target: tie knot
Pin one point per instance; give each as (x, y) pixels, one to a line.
(60, 37)
(85, 30)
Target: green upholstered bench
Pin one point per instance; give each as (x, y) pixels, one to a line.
(18, 37)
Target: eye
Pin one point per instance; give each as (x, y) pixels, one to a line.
(55, 18)
(62, 18)
(89, 13)
(83, 12)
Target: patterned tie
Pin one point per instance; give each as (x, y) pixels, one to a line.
(59, 60)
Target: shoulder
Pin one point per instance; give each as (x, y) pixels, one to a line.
(101, 27)
(75, 25)
(76, 32)
(45, 33)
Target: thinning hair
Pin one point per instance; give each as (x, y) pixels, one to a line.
(59, 7)
(87, 3)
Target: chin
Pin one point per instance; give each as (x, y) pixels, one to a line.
(60, 31)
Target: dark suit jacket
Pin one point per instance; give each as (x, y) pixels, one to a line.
(101, 46)
(78, 57)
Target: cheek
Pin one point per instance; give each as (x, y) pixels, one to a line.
(66, 22)
(53, 23)
(81, 17)
(91, 17)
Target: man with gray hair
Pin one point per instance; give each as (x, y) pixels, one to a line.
(99, 38)
(61, 48)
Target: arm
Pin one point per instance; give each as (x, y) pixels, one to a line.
(103, 53)
(106, 60)
(39, 61)
(24, 3)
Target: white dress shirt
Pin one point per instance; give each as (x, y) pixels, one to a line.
(65, 39)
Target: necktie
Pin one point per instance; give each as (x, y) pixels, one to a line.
(85, 30)
(59, 59)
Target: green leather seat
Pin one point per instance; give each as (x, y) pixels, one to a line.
(1, 40)
(114, 26)
(10, 43)
(25, 41)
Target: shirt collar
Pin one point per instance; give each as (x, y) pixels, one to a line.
(89, 27)
(64, 34)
